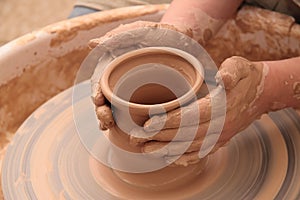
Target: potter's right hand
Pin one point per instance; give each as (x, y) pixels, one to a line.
(244, 85)
(103, 110)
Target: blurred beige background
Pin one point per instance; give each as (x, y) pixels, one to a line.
(18, 17)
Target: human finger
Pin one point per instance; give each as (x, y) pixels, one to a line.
(183, 116)
(102, 126)
(99, 99)
(188, 133)
(120, 29)
(195, 113)
(162, 149)
(104, 114)
(135, 25)
(232, 70)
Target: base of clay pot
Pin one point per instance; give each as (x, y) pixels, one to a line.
(145, 170)
(154, 185)
(166, 178)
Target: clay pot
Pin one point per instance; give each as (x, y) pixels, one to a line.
(149, 81)
(142, 83)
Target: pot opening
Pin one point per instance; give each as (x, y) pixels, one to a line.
(151, 84)
(152, 76)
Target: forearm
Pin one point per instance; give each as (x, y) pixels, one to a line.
(283, 83)
(203, 17)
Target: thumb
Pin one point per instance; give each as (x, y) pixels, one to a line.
(232, 70)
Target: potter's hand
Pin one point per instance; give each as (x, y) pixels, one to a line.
(103, 110)
(136, 25)
(243, 82)
(202, 19)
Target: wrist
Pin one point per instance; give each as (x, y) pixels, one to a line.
(264, 94)
(268, 95)
(202, 27)
(281, 82)
(204, 18)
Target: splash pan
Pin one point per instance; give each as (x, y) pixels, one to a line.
(46, 159)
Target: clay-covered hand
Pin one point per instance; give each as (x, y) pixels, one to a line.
(103, 110)
(136, 25)
(245, 101)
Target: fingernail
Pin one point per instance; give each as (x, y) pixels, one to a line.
(110, 124)
(102, 126)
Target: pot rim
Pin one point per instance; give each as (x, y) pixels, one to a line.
(187, 97)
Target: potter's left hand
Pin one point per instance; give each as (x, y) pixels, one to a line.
(202, 19)
(243, 82)
(103, 111)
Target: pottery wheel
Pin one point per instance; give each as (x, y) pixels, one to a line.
(47, 159)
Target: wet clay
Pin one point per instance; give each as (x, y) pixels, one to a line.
(124, 77)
